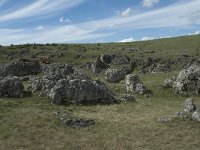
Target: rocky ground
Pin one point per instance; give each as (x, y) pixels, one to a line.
(83, 89)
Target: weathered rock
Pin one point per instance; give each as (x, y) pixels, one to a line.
(133, 84)
(52, 74)
(162, 68)
(73, 122)
(115, 75)
(20, 68)
(196, 115)
(120, 59)
(127, 97)
(106, 59)
(168, 83)
(80, 91)
(188, 81)
(98, 65)
(189, 105)
(58, 69)
(11, 87)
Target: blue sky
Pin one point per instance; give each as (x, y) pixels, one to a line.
(89, 21)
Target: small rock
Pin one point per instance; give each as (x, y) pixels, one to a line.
(196, 115)
(189, 105)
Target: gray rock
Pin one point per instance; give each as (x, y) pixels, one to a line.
(20, 68)
(115, 75)
(133, 84)
(168, 83)
(196, 115)
(11, 87)
(127, 97)
(188, 81)
(98, 65)
(106, 59)
(120, 59)
(161, 68)
(52, 74)
(189, 105)
(80, 91)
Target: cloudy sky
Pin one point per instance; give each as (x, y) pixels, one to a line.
(89, 21)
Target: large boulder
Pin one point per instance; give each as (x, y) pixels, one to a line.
(115, 75)
(52, 74)
(188, 81)
(79, 91)
(133, 84)
(11, 87)
(20, 68)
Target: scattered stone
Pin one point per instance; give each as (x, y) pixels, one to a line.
(162, 68)
(78, 122)
(127, 97)
(11, 87)
(73, 122)
(115, 75)
(190, 111)
(168, 83)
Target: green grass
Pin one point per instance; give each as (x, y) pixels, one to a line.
(29, 123)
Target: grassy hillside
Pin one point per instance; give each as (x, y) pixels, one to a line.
(29, 123)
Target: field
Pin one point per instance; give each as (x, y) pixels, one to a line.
(29, 123)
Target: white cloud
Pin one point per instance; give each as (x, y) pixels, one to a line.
(127, 12)
(146, 38)
(149, 3)
(40, 7)
(64, 20)
(197, 32)
(40, 27)
(127, 40)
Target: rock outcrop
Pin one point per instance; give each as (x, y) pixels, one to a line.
(11, 87)
(61, 84)
(133, 84)
(115, 75)
(188, 81)
(80, 91)
(106, 59)
(20, 68)
(98, 65)
(120, 59)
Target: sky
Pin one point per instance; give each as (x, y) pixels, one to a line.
(95, 21)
